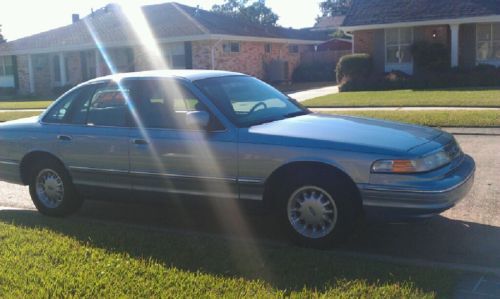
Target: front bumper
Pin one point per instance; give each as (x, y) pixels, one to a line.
(390, 203)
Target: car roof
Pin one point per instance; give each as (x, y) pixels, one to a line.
(191, 75)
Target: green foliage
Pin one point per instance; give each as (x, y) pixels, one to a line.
(12, 115)
(316, 72)
(435, 118)
(52, 258)
(354, 67)
(23, 104)
(410, 98)
(2, 39)
(335, 7)
(479, 76)
(257, 12)
(7, 91)
(434, 57)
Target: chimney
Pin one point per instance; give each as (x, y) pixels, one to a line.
(75, 18)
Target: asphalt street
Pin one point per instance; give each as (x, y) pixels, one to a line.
(467, 234)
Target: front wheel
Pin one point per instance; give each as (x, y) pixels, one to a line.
(52, 191)
(319, 211)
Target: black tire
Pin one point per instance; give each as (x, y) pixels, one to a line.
(70, 201)
(341, 191)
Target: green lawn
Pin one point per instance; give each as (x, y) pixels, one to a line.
(11, 115)
(410, 98)
(436, 118)
(46, 257)
(20, 104)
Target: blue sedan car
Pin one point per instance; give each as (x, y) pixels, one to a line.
(230, 136)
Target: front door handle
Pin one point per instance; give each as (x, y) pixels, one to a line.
(64, 137)
(139, 141)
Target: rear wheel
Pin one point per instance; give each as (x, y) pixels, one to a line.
(52, 191)
(318, 210)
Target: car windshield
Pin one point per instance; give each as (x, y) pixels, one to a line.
(248, 101)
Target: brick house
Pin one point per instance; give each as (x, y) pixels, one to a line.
(108, 41)
(386, 29)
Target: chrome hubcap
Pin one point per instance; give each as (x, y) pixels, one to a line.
(49, 188)
(312, 212)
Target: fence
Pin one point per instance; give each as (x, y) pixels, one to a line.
(330, 57)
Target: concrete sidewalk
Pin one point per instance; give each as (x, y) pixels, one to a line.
(305, 95)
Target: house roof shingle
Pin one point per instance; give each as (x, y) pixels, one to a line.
(167, 21)
(374, 12)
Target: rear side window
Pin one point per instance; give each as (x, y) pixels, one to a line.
(71, 108)
(108, 107)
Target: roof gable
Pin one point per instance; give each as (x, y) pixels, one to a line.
(371, 12)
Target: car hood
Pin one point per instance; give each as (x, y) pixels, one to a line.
(346, 133)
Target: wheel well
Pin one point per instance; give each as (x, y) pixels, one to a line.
(280, 174)
(28, 161)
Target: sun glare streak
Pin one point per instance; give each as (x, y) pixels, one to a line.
(227, 211)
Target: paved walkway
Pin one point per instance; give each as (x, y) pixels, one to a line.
(305, 95)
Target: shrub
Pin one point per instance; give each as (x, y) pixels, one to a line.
(316, 72)
(434, 57)
(59, 90)
(357, 67)
(7, 91)
(480, 76)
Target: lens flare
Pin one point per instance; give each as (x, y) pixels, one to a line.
(228, 211)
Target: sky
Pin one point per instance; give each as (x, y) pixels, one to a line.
(21, 18)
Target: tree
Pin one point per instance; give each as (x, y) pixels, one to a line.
(335, 7)
(2, 39)
(257, 12)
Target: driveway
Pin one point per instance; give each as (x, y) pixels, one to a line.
(466, 234)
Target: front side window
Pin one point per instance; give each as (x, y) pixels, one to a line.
(248, 101)
(163, 104)
(108, 107)
(398, 45)
(488, 42)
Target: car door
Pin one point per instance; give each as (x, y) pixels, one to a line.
(167, 156)
(94, 142)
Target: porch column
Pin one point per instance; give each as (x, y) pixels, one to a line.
(31, 74)
(97, 64)
(62, 69)
(454, 44)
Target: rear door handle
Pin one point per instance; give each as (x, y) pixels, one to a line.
(64, 137)
(139, 141)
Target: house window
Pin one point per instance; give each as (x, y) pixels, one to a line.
(398, 45)
(268, 48)
(488, 42)
(231, 47)
(293, 49)
(56, 68)
(89, 65)
(174, 55)
(122, 60)
(6, 66)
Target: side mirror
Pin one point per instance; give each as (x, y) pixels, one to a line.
(197, 119)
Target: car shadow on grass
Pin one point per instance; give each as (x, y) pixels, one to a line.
(192, 238)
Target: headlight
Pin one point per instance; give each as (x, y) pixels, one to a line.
(424, 164)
